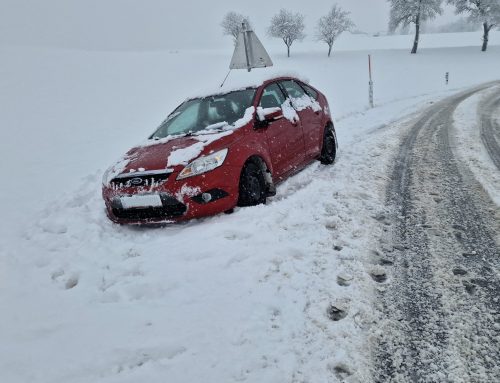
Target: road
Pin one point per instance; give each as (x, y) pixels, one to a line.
(442, 299)
(490, 129)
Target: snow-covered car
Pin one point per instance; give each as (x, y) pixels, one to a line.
(216, 152)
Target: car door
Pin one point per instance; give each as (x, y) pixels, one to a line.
(284, 137)
(310, 113)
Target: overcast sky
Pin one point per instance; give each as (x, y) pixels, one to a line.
(156, 24)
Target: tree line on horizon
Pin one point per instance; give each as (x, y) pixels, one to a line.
(289, 26)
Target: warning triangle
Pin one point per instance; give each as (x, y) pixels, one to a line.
(249, 52)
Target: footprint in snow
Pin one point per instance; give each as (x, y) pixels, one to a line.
(459, 271)
(335, 313)
(57, 274)
(71, 282)
(341, 370)
(344, 279)
(378, 274)
(386, 262)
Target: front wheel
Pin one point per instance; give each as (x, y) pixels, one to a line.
(252, 186)
(329, 150)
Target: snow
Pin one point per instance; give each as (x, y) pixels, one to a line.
(470, 148)
(263, 112)
(305, 102)
(253, 79)
(289, 112)
(247, 117)
(183, 156)
(116, 169)
(241, 297)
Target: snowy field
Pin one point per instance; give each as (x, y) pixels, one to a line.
(241, 297)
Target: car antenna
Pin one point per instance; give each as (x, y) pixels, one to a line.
(225, 78)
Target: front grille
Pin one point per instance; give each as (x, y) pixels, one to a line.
(139, 180)
(171, 208)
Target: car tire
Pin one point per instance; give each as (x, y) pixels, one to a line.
(329, 149)
(252, 189)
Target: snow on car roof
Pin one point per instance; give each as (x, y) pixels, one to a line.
(239, 79)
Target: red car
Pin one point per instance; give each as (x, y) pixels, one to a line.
(221, 151)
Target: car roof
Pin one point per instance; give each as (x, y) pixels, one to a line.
(241, 81)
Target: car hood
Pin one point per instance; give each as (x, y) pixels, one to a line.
(154, 155)
(169, 153)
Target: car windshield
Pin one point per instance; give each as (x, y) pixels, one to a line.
(206, 113)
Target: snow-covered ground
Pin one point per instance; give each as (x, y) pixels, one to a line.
(241, 297)
(471, 149)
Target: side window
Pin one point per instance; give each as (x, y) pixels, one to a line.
(293, 89)
(272, 97)
(310, 91)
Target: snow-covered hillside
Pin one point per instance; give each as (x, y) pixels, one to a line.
(241, 297)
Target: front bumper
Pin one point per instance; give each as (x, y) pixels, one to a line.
(204, 195)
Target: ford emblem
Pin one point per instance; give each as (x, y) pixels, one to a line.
(136, 181)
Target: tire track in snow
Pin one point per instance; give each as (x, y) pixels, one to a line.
(442, 305)
(490, 128)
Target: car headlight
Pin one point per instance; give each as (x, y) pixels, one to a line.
(203, 164)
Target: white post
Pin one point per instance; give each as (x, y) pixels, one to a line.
(370, 83)
(245, 39)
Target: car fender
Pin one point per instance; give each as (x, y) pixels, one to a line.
(253, 144)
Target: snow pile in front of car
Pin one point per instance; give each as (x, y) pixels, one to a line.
(183, 156)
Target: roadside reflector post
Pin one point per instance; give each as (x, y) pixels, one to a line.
(370, 83)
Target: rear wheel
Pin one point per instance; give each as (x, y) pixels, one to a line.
(252, 186)
(329, 150)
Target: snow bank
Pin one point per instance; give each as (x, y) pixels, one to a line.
(469, 147)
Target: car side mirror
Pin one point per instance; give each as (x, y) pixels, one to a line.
(267, 115)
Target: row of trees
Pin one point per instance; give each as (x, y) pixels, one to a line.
(289, 26)
(407, 12)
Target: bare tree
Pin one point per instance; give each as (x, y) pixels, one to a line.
(288, 27)
(232, 24)
(332, 26)
(485, 11)
(406, 12)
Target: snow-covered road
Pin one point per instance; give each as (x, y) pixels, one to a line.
(442, 244)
